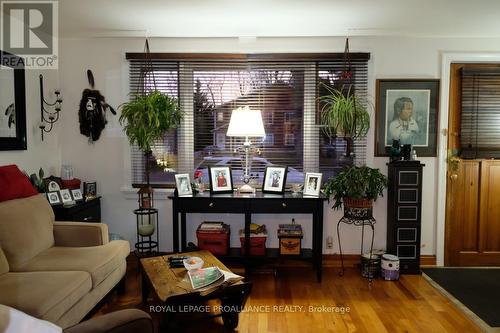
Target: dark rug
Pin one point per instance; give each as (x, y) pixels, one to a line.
(476, 288)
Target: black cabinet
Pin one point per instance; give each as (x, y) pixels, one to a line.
(404, 207)
(84, 211)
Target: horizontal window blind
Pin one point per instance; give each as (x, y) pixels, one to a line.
(480, 117)
(286, 93)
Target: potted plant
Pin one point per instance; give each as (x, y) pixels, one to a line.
(147, 118)
(343, 115)
(356, 187)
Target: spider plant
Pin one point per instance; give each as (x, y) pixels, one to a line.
(343, 115)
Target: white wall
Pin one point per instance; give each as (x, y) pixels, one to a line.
(46, 154)
(107, 161)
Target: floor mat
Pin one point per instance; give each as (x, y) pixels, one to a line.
(476, 288)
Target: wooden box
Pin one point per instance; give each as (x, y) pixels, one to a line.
(290, 245)
(217, 242)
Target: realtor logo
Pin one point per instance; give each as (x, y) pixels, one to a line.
(29, 30)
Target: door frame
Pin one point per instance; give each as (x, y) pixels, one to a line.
(446, 59)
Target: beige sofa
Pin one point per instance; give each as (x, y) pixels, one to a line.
(56, 271)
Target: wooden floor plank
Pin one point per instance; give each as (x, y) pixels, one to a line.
(408, 305)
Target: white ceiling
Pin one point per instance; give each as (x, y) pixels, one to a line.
(279, 18)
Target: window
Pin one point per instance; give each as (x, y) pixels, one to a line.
(480, 117)
(283, 88)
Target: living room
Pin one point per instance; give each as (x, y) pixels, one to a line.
(396, 42)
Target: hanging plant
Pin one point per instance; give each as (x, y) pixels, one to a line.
(149, 115)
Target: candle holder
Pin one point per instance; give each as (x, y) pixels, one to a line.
(47, 116)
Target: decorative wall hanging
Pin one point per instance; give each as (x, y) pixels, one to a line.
(48, 117)
(92, 112)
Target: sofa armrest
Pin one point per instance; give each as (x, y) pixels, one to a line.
(123, 321)
(80, 234)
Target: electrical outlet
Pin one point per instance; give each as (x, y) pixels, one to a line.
(329, 242)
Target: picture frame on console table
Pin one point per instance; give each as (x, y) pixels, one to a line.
(312, 184)
(183, 184)
(274, 179)
(221, 179)
(407, 110)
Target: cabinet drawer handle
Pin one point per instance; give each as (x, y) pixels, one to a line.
(211, 204)
(283, 204)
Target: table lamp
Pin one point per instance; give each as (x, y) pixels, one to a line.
(246, 123)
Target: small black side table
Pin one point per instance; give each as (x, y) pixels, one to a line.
(83, 211)
(362, 222)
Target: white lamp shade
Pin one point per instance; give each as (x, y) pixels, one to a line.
(246, 122)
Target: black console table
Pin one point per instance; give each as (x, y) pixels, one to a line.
(249, 204)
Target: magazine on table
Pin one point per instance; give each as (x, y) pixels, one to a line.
(205, 279)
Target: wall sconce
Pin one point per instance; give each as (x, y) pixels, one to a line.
(48, 117)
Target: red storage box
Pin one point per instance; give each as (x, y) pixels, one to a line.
(257, 244)
(217, 242)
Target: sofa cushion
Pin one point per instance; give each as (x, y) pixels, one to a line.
(98, 261)
(55, 292)
(4, 264)
(26, 228)
(14, 184)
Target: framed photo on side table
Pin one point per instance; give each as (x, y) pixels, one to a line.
(407, 110)
(274, 179)
(183, 184)
(90, 191)
(312, 183)
(54, 198)
(66, 196)
(221, 179)
(77, 194)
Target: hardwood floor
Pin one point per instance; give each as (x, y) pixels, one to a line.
(294, 302)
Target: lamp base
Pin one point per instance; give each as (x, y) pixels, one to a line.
(246, 189)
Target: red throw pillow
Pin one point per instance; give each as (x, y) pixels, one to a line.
(14, 184)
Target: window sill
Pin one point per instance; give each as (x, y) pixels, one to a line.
(130, 193)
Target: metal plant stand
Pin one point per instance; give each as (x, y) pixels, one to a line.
(145, 244)
(358, 221)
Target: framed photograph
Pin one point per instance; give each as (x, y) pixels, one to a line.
(77, 194)
(312, 183)
(407, 110)
(52, 184)
(54, 198)
(221, 179)
(183, 184)
(65, 196)
(274, 179)
(90, 190)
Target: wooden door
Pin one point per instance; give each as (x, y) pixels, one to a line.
(472, 232)
(473, 214)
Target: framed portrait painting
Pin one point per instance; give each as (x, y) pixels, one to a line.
(407, 110)
(274, 179)
(221, 179)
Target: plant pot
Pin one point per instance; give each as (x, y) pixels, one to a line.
(358, 209)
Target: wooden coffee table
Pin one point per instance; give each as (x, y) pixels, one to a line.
(167, 284)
